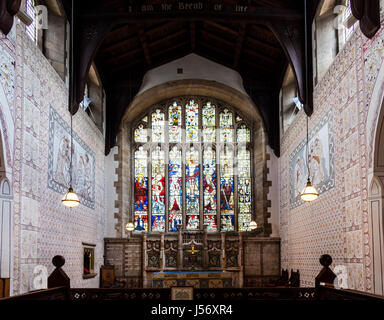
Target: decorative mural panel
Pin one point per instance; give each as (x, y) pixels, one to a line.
(320, 161)
(83, 159)
(7, 76)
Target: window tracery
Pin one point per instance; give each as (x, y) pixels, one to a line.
(192, 159)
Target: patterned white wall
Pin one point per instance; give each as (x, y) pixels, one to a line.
(336, 223)
(43, 227)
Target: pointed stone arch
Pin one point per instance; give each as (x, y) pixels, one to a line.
(375, 130)
(191, 87)
(6, 225)
(376, 217)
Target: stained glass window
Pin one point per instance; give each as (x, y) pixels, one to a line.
(243, 134)
(158, 190)
(141, 190)
(209, 189)
(140, 134)
(158, 126)
(191, 181)
(175, 189)
(209, 122)
(244, 188)
(174, 120)
(192, 122)
(226, 126)
(192, 189)
(226, 190)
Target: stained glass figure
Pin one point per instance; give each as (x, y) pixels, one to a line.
(140, 133)
(174, 120)
(158, 126)
(209, 187)
(192, 189)
(244, 188)
(243, 134)
(192, 122)
(158, 190)
(209, 123)
(141, 190)
(226, 126)
(226, 189)
(175, 189)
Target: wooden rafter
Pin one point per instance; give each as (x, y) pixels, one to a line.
(168, 38)
(192, 26)
(144, 46)
(239, 44)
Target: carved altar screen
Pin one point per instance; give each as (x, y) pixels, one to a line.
(192, 167)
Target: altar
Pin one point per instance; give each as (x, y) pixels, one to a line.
(196, 279)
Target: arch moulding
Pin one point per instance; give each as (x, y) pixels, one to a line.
(146, 99)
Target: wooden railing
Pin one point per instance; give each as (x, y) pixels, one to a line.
(58, 293)
(59, 289)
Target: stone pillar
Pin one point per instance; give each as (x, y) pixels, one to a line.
(223, 264)
(124, 171)
(179, 248)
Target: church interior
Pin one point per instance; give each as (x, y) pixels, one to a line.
(151, 149)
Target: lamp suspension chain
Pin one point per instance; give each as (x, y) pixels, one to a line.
(71, 199)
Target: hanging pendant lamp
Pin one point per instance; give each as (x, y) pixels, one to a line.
(130, 227)
(71, 199)
(253, 225)
(309, 193)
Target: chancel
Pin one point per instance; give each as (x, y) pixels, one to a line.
(191, 150)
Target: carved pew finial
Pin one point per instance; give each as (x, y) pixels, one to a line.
(58, 277)
(326, 275)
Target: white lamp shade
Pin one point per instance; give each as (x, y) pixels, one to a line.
(309, 193)
(253, 225)
(130, 226)
(70, 199)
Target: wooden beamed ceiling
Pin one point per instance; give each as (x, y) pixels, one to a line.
(235, 45)
(257, 38)
(126, 38)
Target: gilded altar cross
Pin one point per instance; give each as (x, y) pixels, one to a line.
(193, 251)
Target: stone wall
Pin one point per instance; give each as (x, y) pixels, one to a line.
(336, 223)
(31, 92)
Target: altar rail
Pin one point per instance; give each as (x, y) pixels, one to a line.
(59, 289)
(203, 295)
